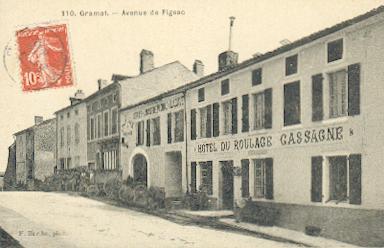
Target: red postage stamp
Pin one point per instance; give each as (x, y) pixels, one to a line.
(44, 56)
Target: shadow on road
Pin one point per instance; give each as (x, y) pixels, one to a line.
(8, 241)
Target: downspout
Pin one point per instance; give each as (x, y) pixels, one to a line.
(186, 140)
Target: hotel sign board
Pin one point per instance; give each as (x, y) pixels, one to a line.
(308, 136)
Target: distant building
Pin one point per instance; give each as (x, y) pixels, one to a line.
(10, 172)
(35, 151)
(72, 134)
(103, 109)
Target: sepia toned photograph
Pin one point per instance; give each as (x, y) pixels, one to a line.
(191, 124)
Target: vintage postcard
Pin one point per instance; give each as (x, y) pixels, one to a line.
(191, 123)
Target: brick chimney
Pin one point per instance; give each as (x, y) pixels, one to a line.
(227, 59)
(79, 95)
(38, 120)
(198, 68)
(101, 83)
(146, 61)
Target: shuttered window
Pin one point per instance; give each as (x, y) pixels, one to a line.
(148, 132)
(317, 97)
(169, 127)
(209, 122)
(258, 110)
(245, 113)
(263, 178)
(244, 178)
(206, 176)
(317, 179)
(292, 103)
(355, 179)
(156, 131)
(268, 108)
(140, 133)
(193, 177)
(354, 89)
(179, 126)
(234, 115)
(337, 94)
(338, 174)
(216, 119)
(193, 124)
(227, 116)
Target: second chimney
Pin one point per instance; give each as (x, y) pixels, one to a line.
(38, 120)
(101, 83)
(227, 59)
(198, 68)
(146, 61)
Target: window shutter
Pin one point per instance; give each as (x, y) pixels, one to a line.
(216, 118)
(209, 121)
(193, 177)
(193, 124)
(169, 122)
(269, 178)
(245, 178)
(138, 133)
(148, 132)
(354, 89)
(245, 113)
(317, 179)
(234, 115)
(355, 179)
(317, 97)
(268, 108)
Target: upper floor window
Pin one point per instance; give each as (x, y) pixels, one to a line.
(114, 120)
(225, 87)
(106, 123)
(179, 126)
(156, 138)
(61, 137)
(335, 50)
(61, 117)
(140, 133)
(201, 95)
(259, 111)
(205, 121)
(77, 133)
(115, 97)
(337, 94)
(256, 76)
(99, 128)
(68, 135)
(292, 112)
(68, 114)
(291, 65)
(230, 116)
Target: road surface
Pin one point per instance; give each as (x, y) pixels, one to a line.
(40, 219)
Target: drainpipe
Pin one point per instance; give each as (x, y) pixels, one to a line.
(186, 140)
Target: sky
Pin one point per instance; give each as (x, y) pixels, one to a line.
(101, 46)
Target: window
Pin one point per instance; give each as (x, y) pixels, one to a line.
(259, 111)
(205, 122)
(93, 129)
(225, 87)
(68, 114)
(337, 94)
(193, 124)
(109, 161)
(245, 113)
(156, 131)
(62, 136)
(263, 183)
(77, 133)
(335, 50)
(206, 176)
(98, 126)
(230, 116)
(114, 121)
(292, 103)
(140, 133)
(244, 178)
(342, 177)
(201, 95)
(193, 177)
(291, 65)
(61, 117)
(179, 126)
(69, 163)
(115, 97)
(76, 112)
(106, 123)
(68, 135)
(256, 76)
(169, 128)
(148, 132)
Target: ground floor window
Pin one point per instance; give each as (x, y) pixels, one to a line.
(244, 178)
(65, 163)
(109, 160)
(263, 178)
(193, 177)
(336, 179)
(206, 176)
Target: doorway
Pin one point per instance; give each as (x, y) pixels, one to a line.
(140, 169)
(173, 170)
(227, 183)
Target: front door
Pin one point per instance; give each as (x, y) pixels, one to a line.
(227, 184)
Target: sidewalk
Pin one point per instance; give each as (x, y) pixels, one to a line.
(283, 233)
